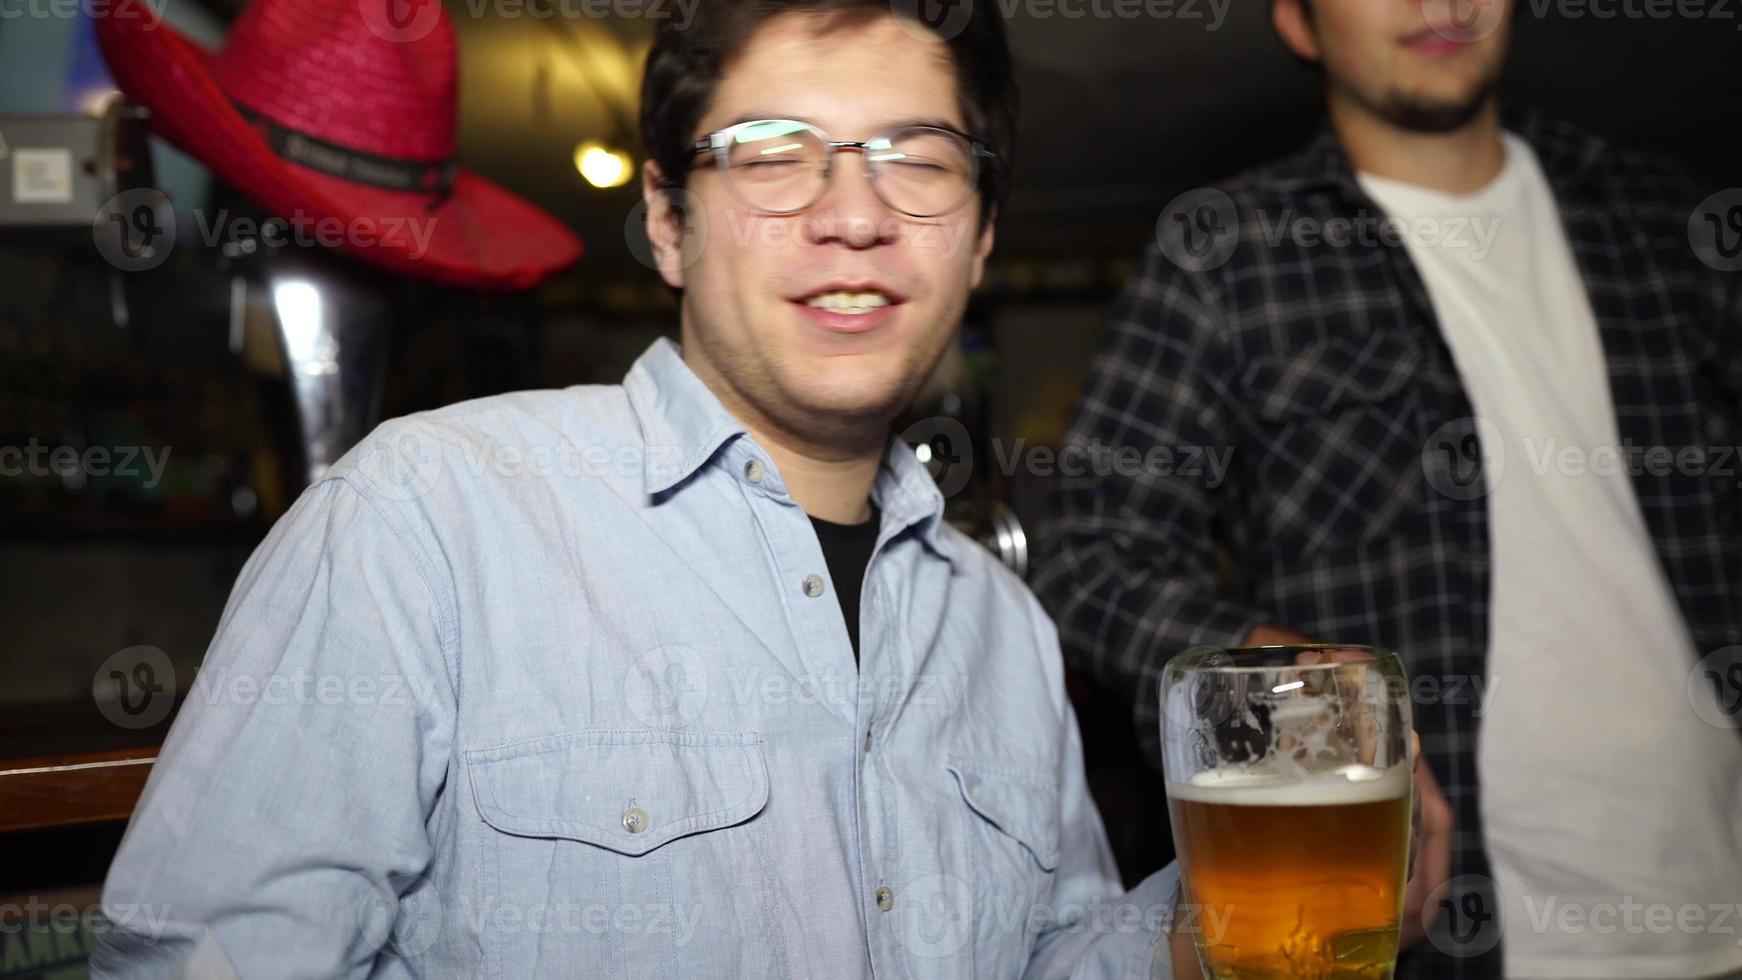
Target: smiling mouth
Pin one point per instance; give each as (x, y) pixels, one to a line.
(850, 302)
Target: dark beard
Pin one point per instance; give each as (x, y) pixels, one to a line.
(1435, 117)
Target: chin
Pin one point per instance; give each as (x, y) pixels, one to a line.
(847, 390)
(1428, 111)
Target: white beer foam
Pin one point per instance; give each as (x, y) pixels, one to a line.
(1257, 787)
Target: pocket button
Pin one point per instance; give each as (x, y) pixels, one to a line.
(635, 820)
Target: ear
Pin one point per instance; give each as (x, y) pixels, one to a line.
(665, 225)
(1294, 24)
(982, 249)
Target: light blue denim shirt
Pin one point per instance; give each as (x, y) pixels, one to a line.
(555, 684)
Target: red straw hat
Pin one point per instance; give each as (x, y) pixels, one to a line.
(341, 111)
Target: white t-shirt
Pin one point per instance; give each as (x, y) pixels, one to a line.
(1608, 804)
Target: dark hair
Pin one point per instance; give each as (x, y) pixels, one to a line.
(686, 63)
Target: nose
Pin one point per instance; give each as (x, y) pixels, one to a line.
(850, 212)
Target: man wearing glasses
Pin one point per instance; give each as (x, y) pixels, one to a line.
(685, 677)
(1480, 384)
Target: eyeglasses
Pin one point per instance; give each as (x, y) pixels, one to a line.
(783, 166)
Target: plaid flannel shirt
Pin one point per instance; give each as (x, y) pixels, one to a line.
(1352, 510)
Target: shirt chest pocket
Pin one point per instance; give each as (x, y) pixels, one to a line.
(1340, 451)
(1010, 822)
(622, 848)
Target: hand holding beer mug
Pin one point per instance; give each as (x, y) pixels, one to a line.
(1288, 782)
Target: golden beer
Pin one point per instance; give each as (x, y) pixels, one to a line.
(1297, 878)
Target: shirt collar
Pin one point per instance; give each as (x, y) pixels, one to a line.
(1563, 151)
(684, 426)
(909, 497)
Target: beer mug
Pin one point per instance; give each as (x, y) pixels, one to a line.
(1288, 782)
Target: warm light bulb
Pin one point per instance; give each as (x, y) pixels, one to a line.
(602, 166)
(95, 102)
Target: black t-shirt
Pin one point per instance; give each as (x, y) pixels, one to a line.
(847, 548)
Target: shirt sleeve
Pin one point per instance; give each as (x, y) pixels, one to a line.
(1092, 929)
(1129, 562)
(286, 815)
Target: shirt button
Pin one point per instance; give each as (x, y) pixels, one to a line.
(813, 585)
(754, 471)
(635, 820)
(885, 898)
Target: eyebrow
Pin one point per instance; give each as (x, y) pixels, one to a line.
(895, 124)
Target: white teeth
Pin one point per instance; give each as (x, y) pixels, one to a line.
(845, 302)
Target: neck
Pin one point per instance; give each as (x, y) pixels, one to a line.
(829, 477)
(828, 485)
(1460, 161)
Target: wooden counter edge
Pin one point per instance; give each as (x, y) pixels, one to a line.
(79, 788)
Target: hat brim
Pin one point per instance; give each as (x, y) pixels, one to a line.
(480, 236)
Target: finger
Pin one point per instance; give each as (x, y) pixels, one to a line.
(1414, 751)
(1348, 680)
(1432, 859)
(1415, 833)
